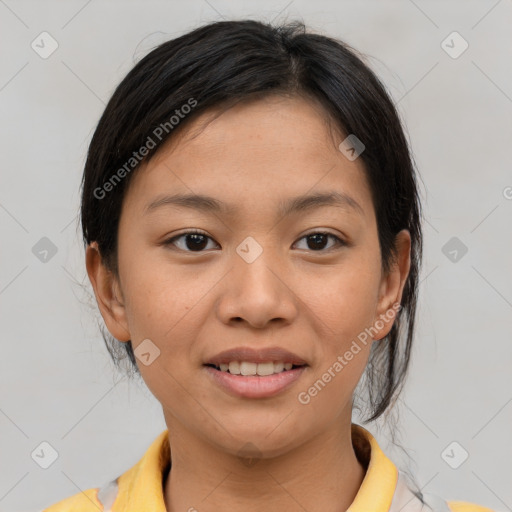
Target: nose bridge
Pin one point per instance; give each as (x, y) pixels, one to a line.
(253, 262)
(256, 291)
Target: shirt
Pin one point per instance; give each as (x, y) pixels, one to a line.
(141, 488)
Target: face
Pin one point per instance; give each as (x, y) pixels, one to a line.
(271, 282)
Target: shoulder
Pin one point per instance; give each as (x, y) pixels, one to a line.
(463, 506)
(86, 501)
(92, 500)
(143, 481)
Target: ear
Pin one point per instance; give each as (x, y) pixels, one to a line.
(108, 293)
(392, 286)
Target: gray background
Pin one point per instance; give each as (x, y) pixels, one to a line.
(57, 382)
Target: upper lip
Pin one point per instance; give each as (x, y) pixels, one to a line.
(251, 355)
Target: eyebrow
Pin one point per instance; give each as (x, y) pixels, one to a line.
(294, 205)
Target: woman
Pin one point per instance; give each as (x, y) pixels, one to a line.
(253, 237)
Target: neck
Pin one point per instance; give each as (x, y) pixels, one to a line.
(320, 475)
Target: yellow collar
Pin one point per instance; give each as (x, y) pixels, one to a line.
(379, 484)
(141, 487)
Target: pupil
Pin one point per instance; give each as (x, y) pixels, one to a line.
(198, 243)
(316, 240)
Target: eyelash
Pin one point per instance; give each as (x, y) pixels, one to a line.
(339, 242)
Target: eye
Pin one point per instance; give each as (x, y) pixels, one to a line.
(196, 241)
(318, 239)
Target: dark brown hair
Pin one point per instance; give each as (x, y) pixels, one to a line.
(221, 63)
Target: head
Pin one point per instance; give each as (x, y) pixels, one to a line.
(254, 117)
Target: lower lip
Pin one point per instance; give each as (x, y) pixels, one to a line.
(255, 386)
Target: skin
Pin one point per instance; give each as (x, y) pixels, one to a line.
(193, 305)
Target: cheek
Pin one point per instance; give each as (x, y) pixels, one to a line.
(164, 310)
(157, 296)
(346, 301)
(345, 309)
(167, 306)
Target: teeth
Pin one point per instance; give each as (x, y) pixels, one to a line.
(265, 369)
(234, 367)
(248, 368)
(262, 369)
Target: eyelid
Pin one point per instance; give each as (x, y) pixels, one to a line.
(340, 241)
(191, 231)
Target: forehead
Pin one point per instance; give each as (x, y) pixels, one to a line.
(255, 152)
(272, 124)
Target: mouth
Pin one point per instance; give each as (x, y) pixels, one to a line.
(247, 368)
(249, 373)
(248, 356)
(254, 386)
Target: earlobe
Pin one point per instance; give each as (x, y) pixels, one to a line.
(392, 286)
(108, 293)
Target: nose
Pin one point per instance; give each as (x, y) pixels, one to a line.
(256, 291)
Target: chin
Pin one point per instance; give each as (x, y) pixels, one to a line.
(266, 436)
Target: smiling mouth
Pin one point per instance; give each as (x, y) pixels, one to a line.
(244, 379)
(247, 369)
